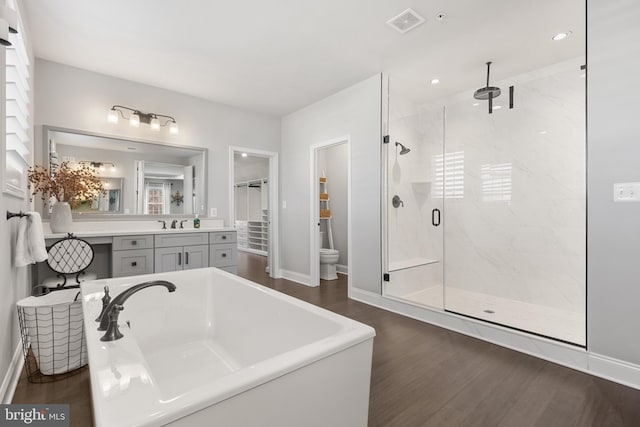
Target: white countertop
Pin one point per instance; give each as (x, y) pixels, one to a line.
(130, 228)
(107, 233)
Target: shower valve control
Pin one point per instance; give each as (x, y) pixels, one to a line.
(396, 202)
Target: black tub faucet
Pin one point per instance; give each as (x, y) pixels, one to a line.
(109, 318)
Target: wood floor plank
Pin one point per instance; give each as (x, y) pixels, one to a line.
(423, 375)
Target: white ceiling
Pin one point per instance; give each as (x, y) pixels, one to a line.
(277, 56)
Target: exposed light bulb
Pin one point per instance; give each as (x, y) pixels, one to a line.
(134, 120)
(155, 124)
(101, 167)
(112, 117)
(113, 168)
(173, 128)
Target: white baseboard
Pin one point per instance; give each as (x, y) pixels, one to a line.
(10, 381)
(343, 269)
(614, 370)
(563, 354)
(303, 279)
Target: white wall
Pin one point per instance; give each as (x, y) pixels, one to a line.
(250, 168)
(15, 283)
(354, 111)
(334, 161)
(613, 276)
(78, 99)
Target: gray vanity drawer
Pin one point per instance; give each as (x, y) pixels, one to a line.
(223, 255)
(121, 243)
(132, 262)
(222, 237)
(169, 240)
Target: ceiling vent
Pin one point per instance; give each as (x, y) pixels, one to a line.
(406, 21)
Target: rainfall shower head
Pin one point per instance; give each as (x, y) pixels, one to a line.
(487, 92)
(404, 150)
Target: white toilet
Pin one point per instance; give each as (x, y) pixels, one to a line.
(328, 261)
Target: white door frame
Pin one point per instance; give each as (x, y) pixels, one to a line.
(314, 209)
(274, 233)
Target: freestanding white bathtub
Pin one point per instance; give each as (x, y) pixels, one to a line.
(224, 351)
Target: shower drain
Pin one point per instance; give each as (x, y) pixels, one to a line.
(489, 311)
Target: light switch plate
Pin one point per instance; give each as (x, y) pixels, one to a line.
(626, 192)
(213, 212)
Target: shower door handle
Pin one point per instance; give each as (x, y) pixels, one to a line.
(435, 221)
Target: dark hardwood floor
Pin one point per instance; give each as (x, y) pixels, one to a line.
(427, 376)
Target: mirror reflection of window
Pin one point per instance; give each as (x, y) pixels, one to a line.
(155, 198)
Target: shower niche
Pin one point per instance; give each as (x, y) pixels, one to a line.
(492, 222)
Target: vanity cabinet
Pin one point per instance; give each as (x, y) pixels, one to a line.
(181, 252)
(132, 255)
(223, 250)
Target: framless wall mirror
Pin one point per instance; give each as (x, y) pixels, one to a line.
(140, 177)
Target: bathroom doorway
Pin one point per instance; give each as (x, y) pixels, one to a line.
(330, 210)
(253, 196)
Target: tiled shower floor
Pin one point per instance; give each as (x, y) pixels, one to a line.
(547, 321)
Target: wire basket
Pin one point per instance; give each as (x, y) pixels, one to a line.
(53, 339)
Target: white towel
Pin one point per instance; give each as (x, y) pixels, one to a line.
(35, 238)
(30, 246)
(22, 255)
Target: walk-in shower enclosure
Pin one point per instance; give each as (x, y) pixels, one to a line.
(491, 222)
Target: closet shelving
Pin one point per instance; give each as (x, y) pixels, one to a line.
(325, 211)
(252, 216)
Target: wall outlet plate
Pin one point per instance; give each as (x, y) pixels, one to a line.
(213, 212)
(626, 192)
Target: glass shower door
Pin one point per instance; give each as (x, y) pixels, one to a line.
(414, 172)
(515, 233)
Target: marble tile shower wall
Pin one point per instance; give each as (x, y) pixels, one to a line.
(412, 240)
(518, 229)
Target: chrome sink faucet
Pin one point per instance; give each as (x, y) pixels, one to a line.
(109, 317)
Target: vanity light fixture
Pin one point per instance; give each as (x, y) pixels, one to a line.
(136, 117)
(98, 165)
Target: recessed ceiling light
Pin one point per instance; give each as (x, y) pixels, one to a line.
(475, 104)
(497, 107)
(244, 154)
(583, 75)
(543, 132)
(561, 36)
(435, 81)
